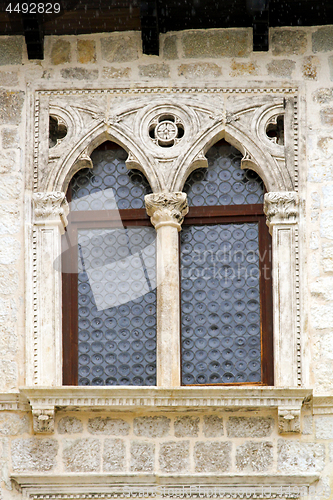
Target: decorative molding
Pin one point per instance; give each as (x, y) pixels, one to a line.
(50, 208)
(323, 405)
(281, 208)
(289, 420)
(43, 420)
(166, 209)
(13, 401)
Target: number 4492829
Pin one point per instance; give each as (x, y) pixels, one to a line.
(34, 8)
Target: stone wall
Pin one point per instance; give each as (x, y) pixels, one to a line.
(220, 442)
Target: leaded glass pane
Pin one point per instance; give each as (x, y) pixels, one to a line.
(223, 182)
(220, 304)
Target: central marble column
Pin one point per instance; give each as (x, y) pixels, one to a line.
(167, 211)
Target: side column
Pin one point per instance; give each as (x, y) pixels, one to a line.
(167, 211)
(281, 210)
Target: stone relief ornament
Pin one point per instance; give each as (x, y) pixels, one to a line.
(166, 130)
(166, 209)
(281, 208)
(50, 207)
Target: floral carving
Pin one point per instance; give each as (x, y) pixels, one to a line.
(166, 209)
(281, 207)
(49, 207)
(289, 420)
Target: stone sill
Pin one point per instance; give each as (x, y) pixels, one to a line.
(45, 400)
(322, 405)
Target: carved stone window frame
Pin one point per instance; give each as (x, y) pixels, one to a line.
(239, 115)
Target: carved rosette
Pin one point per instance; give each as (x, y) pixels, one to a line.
(50, 208)
(281, 208)
(166, 209)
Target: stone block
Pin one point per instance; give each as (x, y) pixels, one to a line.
(322, 39)
(174, 456)
(86, 51)
(9, 78)
(199, 70)
(142, 457)
(326, 224)
(321, 316)
(10, 137)
(116, 73)
(281, 68)
(324, 426)
(11, 104)
(213, 426)
(323, 96)
(250, 426)
(8, 309)
(10, 187)
(285, 42)
(119, 47)
(187, 426)
(61, 52)
(169, 47)
(11, 50)
(8, 162)
(310, 68)
(325, 145)
(9, 219)
(10, 250)
(69, 425)
(111, 426)
(307, 427)
(8, 280)
(35, 455)
(322, 288)
(326, 116)
(327, 196)
(243, 69)
(79, 74)
(82, 455)
(12, 424)
(254, 456)
(330, 452)
(327, 258)
(114, 455)
(154, 70)
(330, 66)
(151, 426)
(294, 456)
(8, 340)
(217, 43)
(212, 457)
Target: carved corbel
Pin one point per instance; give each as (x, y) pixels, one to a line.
(166, 209)
(83, 161)
(281, 208)
(43, 420)
(50, 208)
(289, 420)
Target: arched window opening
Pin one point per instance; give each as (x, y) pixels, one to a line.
(226, 297)
(109, 298)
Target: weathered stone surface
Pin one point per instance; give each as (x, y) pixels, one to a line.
(10, 187)
(330, 66)
(10, 137)
(326, 224)
(199, 70)
(36, 455)
(8, 78)
(82, 455)
(217, 43)
(154, 70)
(187, 426)
(151, 426)
(212, 457)
(250, 426)
(11, 50)
(86, 51)
(69, 425)
(322, 288)
(307, 427)
(325, 145)
(324, 426)
(174, 456)
(12, 424)
(322, 39)
(8, 375)
(327, 196)
(294, 456)
(330, 451)
(119, 47)
(241, 68)
(213, 426)
(142, 457)
(10, 250)
(114, 426)
(8, 163)
(61, 52)
(254, 456)
(281, 68)
(323, 96)
(169, 49)
(9, 219)
(310, 68)
(116, 72)
(8, 280)
(326, 116)
(321, 316)
(11, 104)
(286, 42)
(79, 74)
(114, 455)
(8, 340)
(327, 258)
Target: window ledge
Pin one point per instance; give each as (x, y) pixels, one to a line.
(44, 401)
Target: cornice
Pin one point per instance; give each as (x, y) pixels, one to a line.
(323, 405)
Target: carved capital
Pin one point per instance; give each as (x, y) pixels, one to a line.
(43, 420)
(166, 209)
(289, 420)
(50, 208)
(281, 208)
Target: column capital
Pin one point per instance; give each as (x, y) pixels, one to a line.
(281, 208)
(50, 208)
(166, 209)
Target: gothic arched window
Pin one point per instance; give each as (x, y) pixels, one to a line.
(226, 296)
